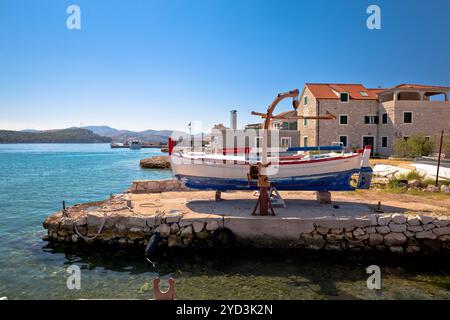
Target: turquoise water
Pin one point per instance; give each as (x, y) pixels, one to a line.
(34, 179)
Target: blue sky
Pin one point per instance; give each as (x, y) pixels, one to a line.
(161, 64)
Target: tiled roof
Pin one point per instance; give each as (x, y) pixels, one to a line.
(332, 90)
(418, 86)
(291, 113)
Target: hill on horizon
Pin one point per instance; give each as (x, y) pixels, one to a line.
(70, 135)
(155, 136)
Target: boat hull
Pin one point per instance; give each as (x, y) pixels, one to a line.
(335, 181)
(330, 174)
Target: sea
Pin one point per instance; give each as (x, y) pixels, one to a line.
(36, 178)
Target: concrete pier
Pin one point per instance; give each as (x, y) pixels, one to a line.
(191, 218)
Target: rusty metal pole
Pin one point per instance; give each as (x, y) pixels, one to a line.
(439, 158)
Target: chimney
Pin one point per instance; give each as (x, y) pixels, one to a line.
(233, 119)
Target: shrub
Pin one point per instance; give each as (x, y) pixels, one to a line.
(414, 146)
(410, 175)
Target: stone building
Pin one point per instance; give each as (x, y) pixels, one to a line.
(374, 117)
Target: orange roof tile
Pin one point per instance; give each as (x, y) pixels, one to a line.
(356, 91)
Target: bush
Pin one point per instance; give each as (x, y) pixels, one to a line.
(410, 175)
(414, 146)
(446, 146)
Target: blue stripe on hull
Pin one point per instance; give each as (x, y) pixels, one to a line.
(336, 181)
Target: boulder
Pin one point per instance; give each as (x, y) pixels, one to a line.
(198, 226)
(394, 239)
(333, 237)
(187, 232)
(428, 226)
(174, 241)
(384, 220)
(202, 235)
(441, 222)
(164, 230)
(371, 230)
(398, 218)
(358, 232)
(173, 217)
(441, 231)
(135, 234)
(432, 188)
(413, 220)
(375, 239)
(397, 227)
(383, 229)
(156, 162)
(212, 225)
(445, 189)
(396, 249)
(425, 219)
(414, 183)
(174, 228)
(412, 249)
(415, 228)
(426, 235)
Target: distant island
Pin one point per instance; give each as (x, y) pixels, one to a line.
(70, 135)
(89, 134)
(150, 136)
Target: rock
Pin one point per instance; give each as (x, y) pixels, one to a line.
(198, 226)
(415, 228)
(334, 237)
(431, 188)
(412, 249)
(445, 189)
(394, 239)
(409, 234)
(212, 225)
(336, 230)
(371, 230)
(383, 229)
(445, 238)
(153, 221)
(45, 237)
(441, 222)
(332, 247)
(348, 235)
(173, 217)
(414, 183)
(174, 228)
(396, 249)
(314, 242)
(373, 218)
(122, 241)
(202, 235)
(67, 224)
(187, 241)
(174, 241)
(358, 232)
(413, 220)
(425, 235)
(397, 227)
(156, 162)
(137, 221)
(375, 239)
(187, 232)
(164, 230)
(398, 218)
(384, 220)
(135, 234)
(425, 219)
(441, 231)
(75, 238)
(428, 226)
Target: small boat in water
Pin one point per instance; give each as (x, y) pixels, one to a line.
(134, 144)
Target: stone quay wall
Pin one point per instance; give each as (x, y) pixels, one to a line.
(155, 186)
(395, 233)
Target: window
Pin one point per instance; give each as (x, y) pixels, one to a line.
(407, 117)
(258, 142)
(305, 122)
(305, 141)
(384, 142)
(405, 138)
(343, 97)
(427, 138)
(305, 100)
(343, 140)
(371, 119)
(384, 118)
(285, 142)
(293, 125)
(363, 93)
(343, 119)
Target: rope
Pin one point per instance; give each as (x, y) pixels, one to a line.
(96, 235)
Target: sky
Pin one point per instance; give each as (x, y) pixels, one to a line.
(149, 64)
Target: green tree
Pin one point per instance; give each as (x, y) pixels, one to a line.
(414, 146)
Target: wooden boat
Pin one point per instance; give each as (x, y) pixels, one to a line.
(323, 172)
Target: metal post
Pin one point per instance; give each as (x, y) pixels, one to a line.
(439, 158)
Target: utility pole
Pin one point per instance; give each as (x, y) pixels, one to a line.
(439, 158)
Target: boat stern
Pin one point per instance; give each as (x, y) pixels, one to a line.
(365, 170)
